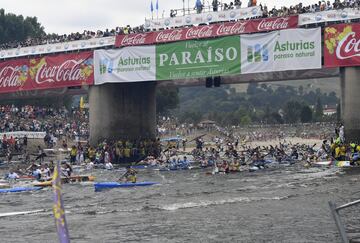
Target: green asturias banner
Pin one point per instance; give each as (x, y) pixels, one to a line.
(198, 58)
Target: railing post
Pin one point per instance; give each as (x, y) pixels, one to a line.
(338, 222)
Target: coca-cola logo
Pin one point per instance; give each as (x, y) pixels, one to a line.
(236, 28)
(10, 77)
(69, 70)
(165, 36)
(348, 47)
(199, 32)
(279, 23)
(137, 39)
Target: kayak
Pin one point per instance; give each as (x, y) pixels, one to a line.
(21, 213)
(67, 180)
(323, 163)
(106, 185)
(139, 167)
(336, 163)
(20, 189)
(342, 163)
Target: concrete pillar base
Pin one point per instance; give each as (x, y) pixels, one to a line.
(350, 102)
(122, 111)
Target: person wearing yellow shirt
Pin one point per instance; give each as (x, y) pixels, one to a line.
(73, 153)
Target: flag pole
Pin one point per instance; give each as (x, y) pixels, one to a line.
(58, 208)
(157, 9)
(183, 7)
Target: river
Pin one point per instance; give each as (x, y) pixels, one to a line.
(289, 204)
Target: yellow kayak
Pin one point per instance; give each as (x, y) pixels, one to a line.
(79, 178)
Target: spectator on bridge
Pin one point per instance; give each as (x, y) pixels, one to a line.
(215, 5)
(198, 6)
(173, 13)
(237, 4)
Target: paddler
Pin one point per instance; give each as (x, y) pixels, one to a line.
(130, 175)
(67, 170)
(12, 175)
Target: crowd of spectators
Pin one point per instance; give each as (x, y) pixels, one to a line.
(199, 7)
(323, 5)
(85, 35)
(122, 151)
(57, 123)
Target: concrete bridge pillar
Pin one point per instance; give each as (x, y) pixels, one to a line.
(350, 102)
(122, 111)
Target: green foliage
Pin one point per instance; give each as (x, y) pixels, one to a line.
(166, 99)
(306, 114)
(319, 111)
(292, 111)
(261, 103)
(15, 28)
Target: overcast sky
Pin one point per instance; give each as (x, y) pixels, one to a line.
(66, 16)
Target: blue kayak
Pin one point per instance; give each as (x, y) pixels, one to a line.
(106, 185)
(20, 189)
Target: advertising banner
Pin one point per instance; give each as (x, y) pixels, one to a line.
(128, 64)
(329, 16)
(58, 47)
(47, 72)
(21, 134)
(204, 18)
(207, 31)
(342, 45)
(293, 49)
(202, 58)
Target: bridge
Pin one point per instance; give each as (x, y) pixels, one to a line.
(121, 73)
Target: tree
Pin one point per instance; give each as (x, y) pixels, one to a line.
(292, 111)
(166, 99)
(252, 88)
(245, 120)
(301, 90)
(14, 28)
(306, 114)
(319, 111)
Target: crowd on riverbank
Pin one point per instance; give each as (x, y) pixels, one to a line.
(121, 151)
(64, 128)
(57, 123)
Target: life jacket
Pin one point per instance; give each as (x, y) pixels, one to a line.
(353, 147)
(73, 152)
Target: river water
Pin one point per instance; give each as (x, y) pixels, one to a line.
(288, 204)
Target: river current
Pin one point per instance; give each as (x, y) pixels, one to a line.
(287, 204)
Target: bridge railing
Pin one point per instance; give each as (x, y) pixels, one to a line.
(109, 42)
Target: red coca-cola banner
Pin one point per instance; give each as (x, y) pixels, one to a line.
(342, 45)
(207, 31)
(47, 72)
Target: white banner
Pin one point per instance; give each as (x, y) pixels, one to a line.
(58, 47)
(128, 64)
(292, 49)
(328, 16)
(204, 18)
(21, 134)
